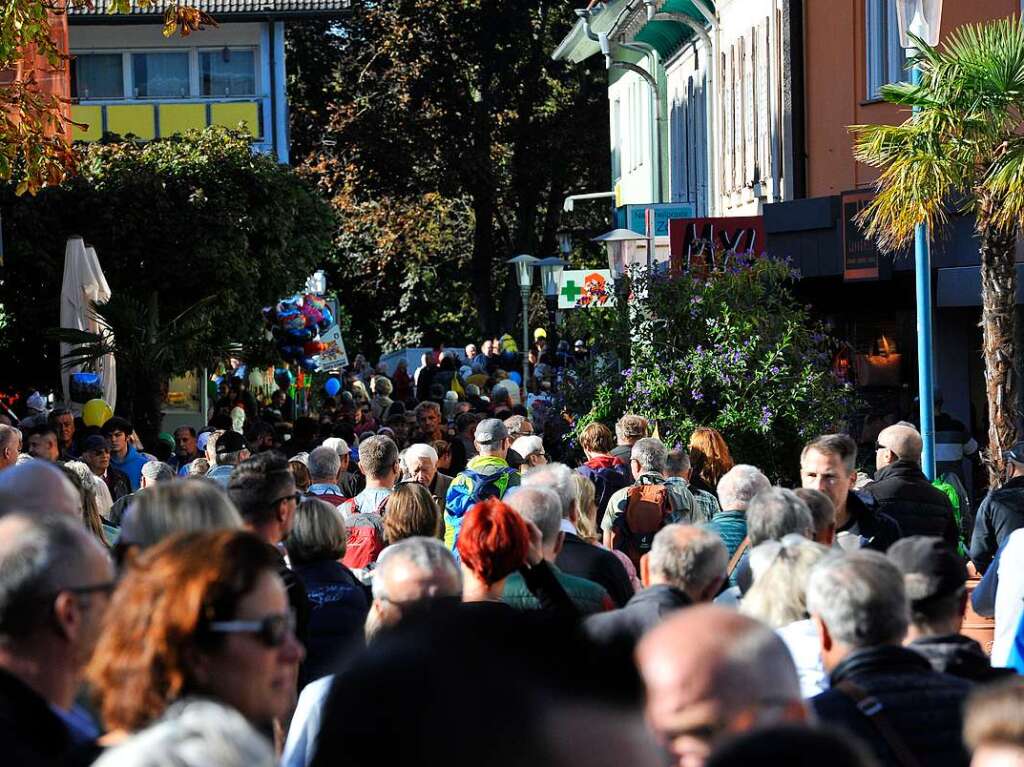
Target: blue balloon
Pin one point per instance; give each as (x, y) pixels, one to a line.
(516, 376)
(332, 386)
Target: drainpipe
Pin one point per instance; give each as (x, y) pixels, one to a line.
(651, 80)
(712, 100)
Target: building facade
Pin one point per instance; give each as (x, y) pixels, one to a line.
(756, 99)
(126, 77)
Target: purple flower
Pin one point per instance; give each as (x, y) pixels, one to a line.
(774, 370)
(699, 349)
(766, 415)
(696, 395)
(627, 372)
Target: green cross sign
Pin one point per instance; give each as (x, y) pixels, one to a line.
(571, 291)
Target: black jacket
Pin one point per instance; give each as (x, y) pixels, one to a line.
(923, 706)
(643, 612)
(596, 564)
(878, 531)
(905, 494)
(960, 656)
(1000, 514)
(338, 607)
(31, 733)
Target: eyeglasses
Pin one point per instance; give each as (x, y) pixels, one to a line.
(107, 587)
(296, 496)
(272, 631)
(880, 446)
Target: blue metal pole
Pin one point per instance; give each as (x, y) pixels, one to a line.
(925, 364)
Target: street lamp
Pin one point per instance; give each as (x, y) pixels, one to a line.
(622, 246)
(922, 18)
(524, 272)
(551, 278)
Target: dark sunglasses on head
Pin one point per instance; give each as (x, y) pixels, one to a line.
(272, 631)
(296, 496)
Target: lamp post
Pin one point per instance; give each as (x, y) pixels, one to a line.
(922, 19)
(524, 272)
(550, 279)
(621, 245)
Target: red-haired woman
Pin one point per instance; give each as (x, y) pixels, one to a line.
(709, 459)
(496, 542)
(201, 614)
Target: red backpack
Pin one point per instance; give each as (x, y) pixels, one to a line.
(648, 509)
(365, 541)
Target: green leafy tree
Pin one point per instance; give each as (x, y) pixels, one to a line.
(460, 101)
(730, 349)
(965, 143)
(35, 124)
(196, 218)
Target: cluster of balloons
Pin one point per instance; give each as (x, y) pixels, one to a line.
(96, 412)
(296, 324)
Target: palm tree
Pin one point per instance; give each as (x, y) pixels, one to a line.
(964, 146)
(148, 352)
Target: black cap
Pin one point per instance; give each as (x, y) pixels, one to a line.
(931, 567)
(230, 442)
(96, 442)
(1015, 453)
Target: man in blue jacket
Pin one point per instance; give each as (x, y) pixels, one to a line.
(123, 456)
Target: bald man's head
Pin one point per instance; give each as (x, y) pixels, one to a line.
(898, 443)
(710, 672)
(41, 487)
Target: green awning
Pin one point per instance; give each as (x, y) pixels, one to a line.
(667, 37)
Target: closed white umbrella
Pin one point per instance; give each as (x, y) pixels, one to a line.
(84, 284)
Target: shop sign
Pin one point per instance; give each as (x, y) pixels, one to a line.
(861, 257)
(586, 289)
(636, 216)
(699, 242)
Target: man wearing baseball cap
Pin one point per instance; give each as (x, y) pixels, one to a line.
(230, 450)
(935, 576)
(1001, 512)
(487, 475)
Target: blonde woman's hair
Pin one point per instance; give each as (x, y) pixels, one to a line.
(779, 594)
(167, 508)
(586, 519)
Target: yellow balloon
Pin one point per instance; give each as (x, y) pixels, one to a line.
(96, 412)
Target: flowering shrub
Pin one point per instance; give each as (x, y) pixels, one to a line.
(729, 348)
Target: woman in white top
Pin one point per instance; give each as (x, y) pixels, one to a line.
(779, 598)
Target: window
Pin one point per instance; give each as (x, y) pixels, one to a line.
(160, 75)
(97, 76)
(886, 61)
(227, 72)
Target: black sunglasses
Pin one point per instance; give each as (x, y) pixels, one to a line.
(272, 631)
(296, 496)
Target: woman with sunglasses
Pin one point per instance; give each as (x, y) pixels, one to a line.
(202, 614)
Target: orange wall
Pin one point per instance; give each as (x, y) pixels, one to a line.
(835, 84)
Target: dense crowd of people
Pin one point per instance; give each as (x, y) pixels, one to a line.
(423, 570)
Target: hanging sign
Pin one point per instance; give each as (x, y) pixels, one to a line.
(861, 257)
(586, 289)
(333, 355)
